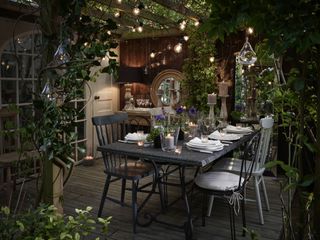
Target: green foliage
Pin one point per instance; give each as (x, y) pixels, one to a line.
(155, 132)
(199, 72)
(45, 223)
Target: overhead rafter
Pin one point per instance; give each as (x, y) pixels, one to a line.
(179, 8)
(143, 14)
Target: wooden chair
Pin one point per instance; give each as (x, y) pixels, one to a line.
(234, 165)
(109, 129)
(229, 186)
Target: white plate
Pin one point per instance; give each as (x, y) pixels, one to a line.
(134, 137)
(207, 146)
(224, 136)
(207, 150)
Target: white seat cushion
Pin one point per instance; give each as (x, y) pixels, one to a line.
(234, 165)
(218, 181)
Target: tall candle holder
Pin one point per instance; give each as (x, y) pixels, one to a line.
(223, 93)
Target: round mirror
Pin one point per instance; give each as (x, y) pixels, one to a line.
(166, 88)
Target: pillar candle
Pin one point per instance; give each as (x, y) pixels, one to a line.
(212, 98)
(169, 141)
(223, 89)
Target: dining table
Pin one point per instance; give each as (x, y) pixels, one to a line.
(187, 158)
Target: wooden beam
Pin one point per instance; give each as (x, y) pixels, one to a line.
(151, 34)
(125, 22)
(179, 8)
(143, 14)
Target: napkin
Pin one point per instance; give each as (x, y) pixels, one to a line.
(197, 141)
(224, 136)
(234, 129)
(135, 137)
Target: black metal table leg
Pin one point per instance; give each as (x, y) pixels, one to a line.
(188, 226)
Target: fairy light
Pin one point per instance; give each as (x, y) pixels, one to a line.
(211, 59)
(250, 30)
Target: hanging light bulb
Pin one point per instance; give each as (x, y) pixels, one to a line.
(119, 1)
(109, 32)
(136, 11)
(186, 38)
(182, 25)
(247, 56)
(61, 56)
(140, 27)
(250, 30)
(178, 47)
(211, 59)
(117, 14)
(133, 29)
(196, 23)
(152, 54)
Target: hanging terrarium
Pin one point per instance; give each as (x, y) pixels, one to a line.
(247, 56)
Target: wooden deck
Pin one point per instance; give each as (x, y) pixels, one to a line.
(85, 189)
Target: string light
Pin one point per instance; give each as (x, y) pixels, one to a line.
(109, 32)
(152, 54)
(182, 25)
(197, 23)
(136, 11)
(178, 47)
(186, 38)
(211, 59)
(140, 27)
(117, 14)
(250, 30)
(119, 1)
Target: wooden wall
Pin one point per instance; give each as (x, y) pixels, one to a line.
(136, 53)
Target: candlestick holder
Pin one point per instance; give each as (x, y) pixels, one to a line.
(211, 113)
(224, 111)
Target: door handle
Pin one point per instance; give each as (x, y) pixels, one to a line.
(96, 97)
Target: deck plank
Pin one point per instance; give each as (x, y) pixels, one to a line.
(85, 188)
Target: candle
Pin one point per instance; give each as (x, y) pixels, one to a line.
(178, 150)
(223, 88)
(212, 98)
(140, 143)
(169, 141)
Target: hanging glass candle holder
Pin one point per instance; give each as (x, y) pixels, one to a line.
(247, 56)
(61, 56)
(47, 92)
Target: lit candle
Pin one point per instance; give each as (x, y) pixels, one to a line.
(140, 143)
(212, 98)
(178, 150)
(169, 141)
(223, 88)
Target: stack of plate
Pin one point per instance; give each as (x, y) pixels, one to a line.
(224, 136)
(209, 146)
(134, 137)
(238, 130)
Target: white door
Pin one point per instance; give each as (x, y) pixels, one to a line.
(104, 100)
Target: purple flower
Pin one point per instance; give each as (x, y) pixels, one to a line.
(160, 117)
(179, 110)
(192, 112)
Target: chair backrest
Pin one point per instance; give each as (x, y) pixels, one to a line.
(264, 143)
(110, 128)
(249, 159)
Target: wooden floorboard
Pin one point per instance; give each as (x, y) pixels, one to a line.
(85, 188)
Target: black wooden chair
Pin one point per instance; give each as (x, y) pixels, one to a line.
(230, 186)
(111, 128)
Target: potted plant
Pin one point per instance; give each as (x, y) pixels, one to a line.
(154, 137)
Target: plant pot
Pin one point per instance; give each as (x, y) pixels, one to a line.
(88, 161)
(181, 135)
(157, 142)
